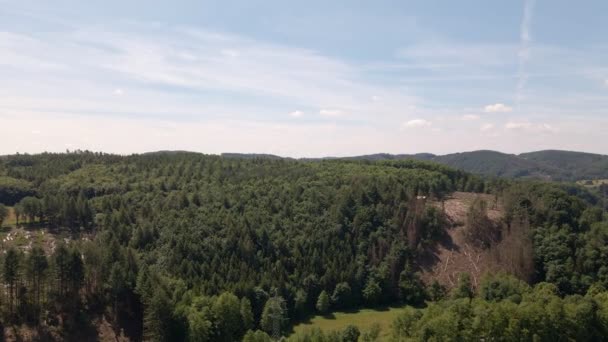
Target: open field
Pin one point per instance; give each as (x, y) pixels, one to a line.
(363, 319)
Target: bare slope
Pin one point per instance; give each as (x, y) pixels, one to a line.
(454, 255)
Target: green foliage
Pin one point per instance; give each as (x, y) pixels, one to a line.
(342, 296)
(464, 288)
(12, 190)
(227, 309)
(372, 292)
(256, 336)
(323, 303)
(157, 318)
(3, 213)
(411, 287)
(350, 334)
(247, 318)
(371, 335)
(436, 291)
(541, 315)
(502, 287)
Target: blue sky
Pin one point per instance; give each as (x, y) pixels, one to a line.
(303, 79)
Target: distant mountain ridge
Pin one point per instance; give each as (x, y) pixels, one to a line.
(547, 164)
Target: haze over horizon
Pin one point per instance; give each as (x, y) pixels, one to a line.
(303, 79)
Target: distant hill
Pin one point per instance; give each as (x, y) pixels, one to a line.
(251, 156)
(499, 164)
(574, 165)
(550, 165)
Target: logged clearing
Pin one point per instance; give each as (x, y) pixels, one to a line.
(592, 183)
(363, 319)
(454, 255)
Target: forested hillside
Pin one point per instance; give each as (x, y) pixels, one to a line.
(550, 165)
(542, 165)
(183, 246)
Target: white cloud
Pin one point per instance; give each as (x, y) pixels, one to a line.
(497, 108)
(470, 117)
(118, 92)
(606, 82)
(296, 114)
(331, 112)
(487, 127)
(417, 123)
(531, 127)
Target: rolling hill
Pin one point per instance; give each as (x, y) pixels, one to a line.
(548, 165)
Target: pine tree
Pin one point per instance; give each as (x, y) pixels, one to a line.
(246, 314)
(11, 275)
(61, 261)
(37, 268)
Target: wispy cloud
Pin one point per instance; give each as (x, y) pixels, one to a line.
(191, 69)
(524, 50)
(487, 127)
(531, 127)
(417, 123)
(497, 108)
(470, 117)
(331, 112)
(296, 114)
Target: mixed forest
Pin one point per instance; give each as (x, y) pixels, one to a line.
(177, 246)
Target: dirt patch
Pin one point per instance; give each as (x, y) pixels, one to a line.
(453, 256)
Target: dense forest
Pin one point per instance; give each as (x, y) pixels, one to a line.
(178, 246)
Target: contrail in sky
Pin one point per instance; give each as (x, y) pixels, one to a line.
(525, 41)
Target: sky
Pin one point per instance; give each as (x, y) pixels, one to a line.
(303, 79)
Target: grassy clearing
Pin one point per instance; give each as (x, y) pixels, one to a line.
(363, 319)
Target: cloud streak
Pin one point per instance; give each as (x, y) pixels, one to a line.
(531, 127)
(416, 123)
(523, 54)
(497, 108)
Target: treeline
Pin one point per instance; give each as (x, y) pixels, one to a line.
(56, 211)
